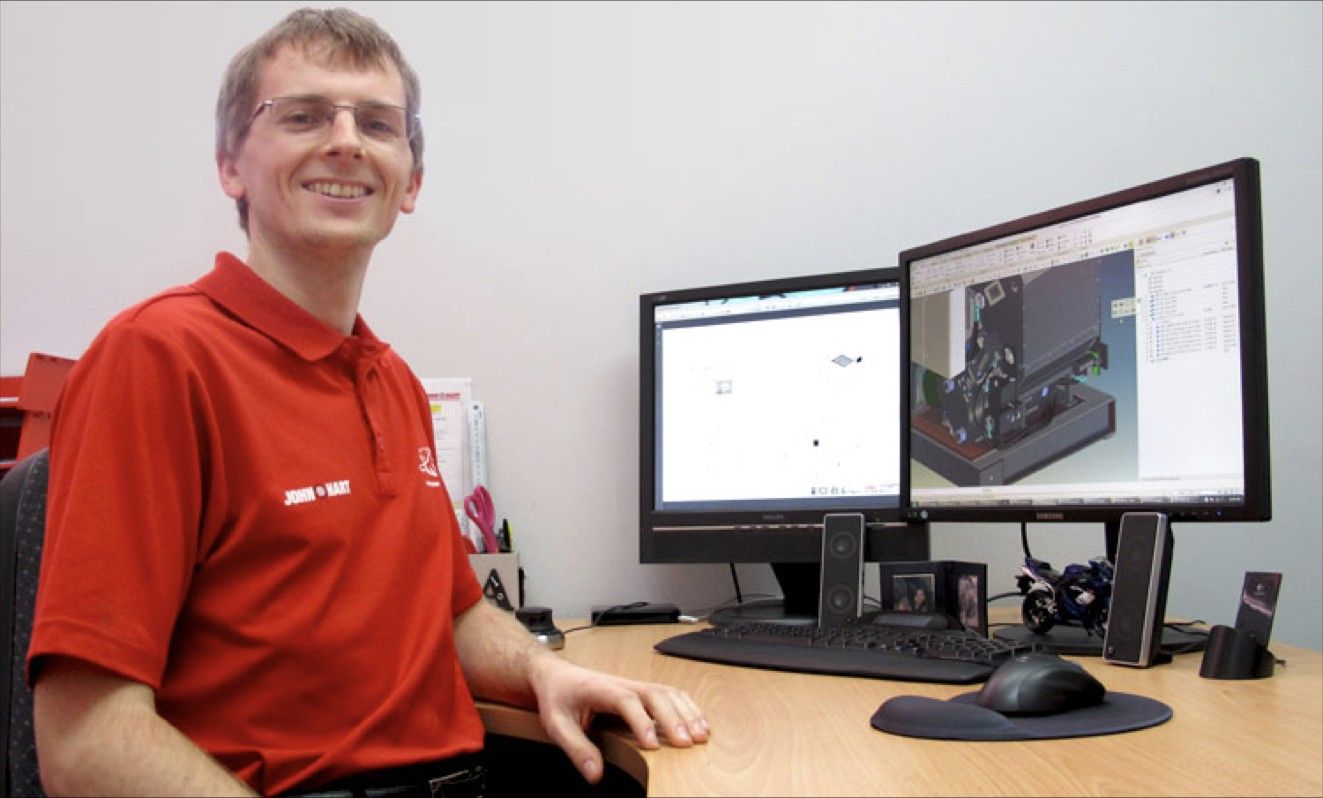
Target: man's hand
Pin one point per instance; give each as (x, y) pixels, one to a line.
(569, 696)
(502, 662)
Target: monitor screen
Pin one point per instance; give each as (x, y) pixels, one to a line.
(763, 407)
(1104, 357)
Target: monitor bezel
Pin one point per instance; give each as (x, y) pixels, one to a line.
(753, 535)
(1257, 505)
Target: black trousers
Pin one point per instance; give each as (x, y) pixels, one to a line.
(508, 767)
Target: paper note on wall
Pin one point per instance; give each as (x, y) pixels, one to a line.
(449, 399)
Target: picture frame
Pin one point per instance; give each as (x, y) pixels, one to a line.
(956, 589)
(967, 587)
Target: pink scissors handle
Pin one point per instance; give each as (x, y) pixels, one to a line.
(479, 507)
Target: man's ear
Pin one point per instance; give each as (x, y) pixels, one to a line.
(230, 180)
(410, 199)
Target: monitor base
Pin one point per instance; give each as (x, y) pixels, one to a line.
(1074, 640)
(762, 611)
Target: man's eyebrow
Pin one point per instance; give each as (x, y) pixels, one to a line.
(324, 98)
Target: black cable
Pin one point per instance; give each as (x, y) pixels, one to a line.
(1024, 539)
(735, 577)
(1191, 646)
(703, 613)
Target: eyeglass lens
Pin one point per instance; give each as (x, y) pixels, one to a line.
(304, 114)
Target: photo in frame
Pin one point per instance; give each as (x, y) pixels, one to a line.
(912, 587)
(967, 587)
(914, 592)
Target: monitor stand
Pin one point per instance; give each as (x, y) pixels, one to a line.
(799, 582)
(1078, 641)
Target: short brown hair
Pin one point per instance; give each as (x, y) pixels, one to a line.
(351, 38)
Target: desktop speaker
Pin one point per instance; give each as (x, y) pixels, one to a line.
(841, 597)
(1139, 591)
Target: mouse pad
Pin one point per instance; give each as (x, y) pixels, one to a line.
(962, 719)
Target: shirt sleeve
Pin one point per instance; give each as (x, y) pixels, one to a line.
(465, 591)
(126, 490)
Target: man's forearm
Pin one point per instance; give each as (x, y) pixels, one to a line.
(496, 652)
(100, 735)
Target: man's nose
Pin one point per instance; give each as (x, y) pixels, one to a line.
(344, 133)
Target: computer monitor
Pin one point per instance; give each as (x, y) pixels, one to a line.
(765, 406)
(1097, 359)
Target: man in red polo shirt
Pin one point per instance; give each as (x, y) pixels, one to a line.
(252, 579)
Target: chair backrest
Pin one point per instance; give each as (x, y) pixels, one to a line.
(22, 531)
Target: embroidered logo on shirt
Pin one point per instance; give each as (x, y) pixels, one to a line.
(338, 487)
(425, 462)
(427, 465)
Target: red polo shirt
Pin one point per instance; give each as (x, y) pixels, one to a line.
(245, 515)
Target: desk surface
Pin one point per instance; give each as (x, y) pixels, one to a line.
(776, 733)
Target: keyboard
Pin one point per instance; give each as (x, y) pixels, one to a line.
(951, 656)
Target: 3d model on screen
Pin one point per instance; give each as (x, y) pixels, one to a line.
(1019, 402)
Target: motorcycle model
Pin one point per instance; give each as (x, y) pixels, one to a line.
(1079, 594)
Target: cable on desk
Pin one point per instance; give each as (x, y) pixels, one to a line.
(703, 613)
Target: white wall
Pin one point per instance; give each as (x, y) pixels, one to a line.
(581, 154)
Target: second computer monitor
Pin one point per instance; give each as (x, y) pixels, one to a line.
(765, 406)
(1100, 358)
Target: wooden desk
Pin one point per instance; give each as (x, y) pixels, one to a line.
(776, 733)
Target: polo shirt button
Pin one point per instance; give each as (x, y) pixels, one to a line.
(381, 443)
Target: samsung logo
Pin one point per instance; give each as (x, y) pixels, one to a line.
(774, 517)
(1050, 516)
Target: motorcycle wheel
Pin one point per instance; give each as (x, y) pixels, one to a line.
(1037, 612)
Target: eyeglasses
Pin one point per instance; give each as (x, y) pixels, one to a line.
(382, 122)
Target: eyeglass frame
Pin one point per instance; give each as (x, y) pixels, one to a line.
(413, 123)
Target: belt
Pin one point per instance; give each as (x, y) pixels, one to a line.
(459, 777)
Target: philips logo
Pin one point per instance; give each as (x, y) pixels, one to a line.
(774, 517)
(1050, 516)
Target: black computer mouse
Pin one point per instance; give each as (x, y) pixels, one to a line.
(1039, 684)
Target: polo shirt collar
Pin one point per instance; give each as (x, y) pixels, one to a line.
(237, 288)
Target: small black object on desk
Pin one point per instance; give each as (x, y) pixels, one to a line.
(537, 620)
(638, 612)
(1235, 654)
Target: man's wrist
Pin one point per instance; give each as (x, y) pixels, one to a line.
(538, 661)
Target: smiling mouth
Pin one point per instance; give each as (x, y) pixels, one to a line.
(337, 190)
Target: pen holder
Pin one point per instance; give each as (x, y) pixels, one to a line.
(1233, 654)
(499, 576)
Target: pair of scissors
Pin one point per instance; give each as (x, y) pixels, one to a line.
(480, 509)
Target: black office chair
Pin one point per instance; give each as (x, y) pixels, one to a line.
(22, 530)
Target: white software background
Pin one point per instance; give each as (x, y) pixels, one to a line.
(786, 418)
(581, 154)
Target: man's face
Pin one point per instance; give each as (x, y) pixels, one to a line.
(328, 190)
